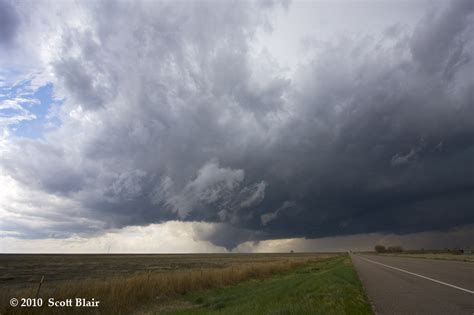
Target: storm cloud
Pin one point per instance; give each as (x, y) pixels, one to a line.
(171, 113)
(9, 23)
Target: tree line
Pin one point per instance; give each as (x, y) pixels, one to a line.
(389, 249)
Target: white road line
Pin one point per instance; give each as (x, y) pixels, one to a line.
(415, 274)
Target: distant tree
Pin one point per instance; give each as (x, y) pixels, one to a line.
(380, 249)
(395, 249)
(457, 251)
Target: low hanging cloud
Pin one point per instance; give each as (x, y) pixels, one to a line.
(169, 237)
(453, 238)
(213, 188)
(268, 217)
(169, 113)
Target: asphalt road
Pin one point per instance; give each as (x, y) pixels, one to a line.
(394, 285)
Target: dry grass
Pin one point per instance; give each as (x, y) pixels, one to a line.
(122, 295)
(442, 256)
(25, 270)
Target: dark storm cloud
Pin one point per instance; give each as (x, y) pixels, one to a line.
(382, 141)
(227, 236)
(439, 43)
(9, 22)
(177, 122)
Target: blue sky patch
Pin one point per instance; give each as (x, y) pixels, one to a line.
(26, 111)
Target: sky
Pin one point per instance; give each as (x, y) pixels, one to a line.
(235, 126)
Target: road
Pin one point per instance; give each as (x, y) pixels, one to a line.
(402, 285)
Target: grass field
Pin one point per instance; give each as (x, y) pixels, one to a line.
(24, 271)
(126, 283)
(325, 287)
(444, 256)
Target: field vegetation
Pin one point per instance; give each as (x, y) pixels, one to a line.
(123, 293)
(390, 249)
(436, 255)
(323, 287)
(444, 254)
(24, 271)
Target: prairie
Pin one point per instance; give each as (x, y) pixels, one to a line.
(329, 286)
(125, 283)
(434, 255)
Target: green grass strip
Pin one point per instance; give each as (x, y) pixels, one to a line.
(326, 287)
